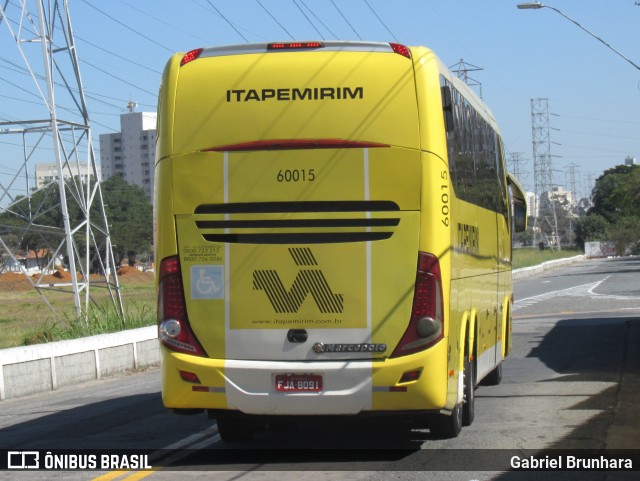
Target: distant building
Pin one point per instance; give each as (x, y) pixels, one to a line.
(561, 196)
(532, 204)
(47, 173)
(131, 152)
(629, 160)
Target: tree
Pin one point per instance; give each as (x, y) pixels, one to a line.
(130, 217)
(35, 223)
(624, 235)
(591, 228)
(616, 197)
(617, 193)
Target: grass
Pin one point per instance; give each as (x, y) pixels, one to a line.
(527, 257)
(26, 319)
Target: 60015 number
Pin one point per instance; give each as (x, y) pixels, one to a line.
(296, 175)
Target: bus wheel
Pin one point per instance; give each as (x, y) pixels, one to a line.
(235, 428)
(468, 407)
(494, 377)
(444, 427)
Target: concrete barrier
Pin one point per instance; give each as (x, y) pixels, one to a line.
(45, 367)
(526, 272)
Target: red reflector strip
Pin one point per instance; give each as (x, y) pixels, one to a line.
(292, 144)
(390, 388)
(294, 45)
(398, 389)
(208, 389)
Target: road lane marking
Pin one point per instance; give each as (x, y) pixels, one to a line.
(126, 475)
(177, 451)
(110, 475)
(584, 290)
(579, 291)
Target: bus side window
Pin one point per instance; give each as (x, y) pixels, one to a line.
(447, 108)
(519, 204)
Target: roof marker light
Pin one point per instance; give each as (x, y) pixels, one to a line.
(294, 45)
(401, 49)
(190, 56)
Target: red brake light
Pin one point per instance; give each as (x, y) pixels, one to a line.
(174, 330)
(426, 325)
(401, 49)
(294, 45)
(190, 56)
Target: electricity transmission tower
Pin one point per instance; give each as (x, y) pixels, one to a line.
(76, 245)
(462, 69)
(542, 171)
(515, 162)
(573, 173)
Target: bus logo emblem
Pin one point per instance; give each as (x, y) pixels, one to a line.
(307, 281)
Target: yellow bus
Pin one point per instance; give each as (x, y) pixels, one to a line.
(333, 230)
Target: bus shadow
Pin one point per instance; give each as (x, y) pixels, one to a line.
(596, 350)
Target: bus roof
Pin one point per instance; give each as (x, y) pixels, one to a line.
(253, 48)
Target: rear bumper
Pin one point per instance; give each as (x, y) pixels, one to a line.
(349, 387)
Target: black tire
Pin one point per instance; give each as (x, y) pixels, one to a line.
(446, 427)
(494, 377)
(235, 428)
(469, 402)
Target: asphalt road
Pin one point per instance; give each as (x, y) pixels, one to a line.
(571, 382)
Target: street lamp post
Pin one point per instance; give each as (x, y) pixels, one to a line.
(538, 5)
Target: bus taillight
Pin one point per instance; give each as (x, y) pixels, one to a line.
(174, 330)
(401, 49)
(190, 56)
(426, 324)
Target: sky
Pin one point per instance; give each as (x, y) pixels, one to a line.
(593, 94)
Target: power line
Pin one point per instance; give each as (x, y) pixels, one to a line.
(137, 64)
(308, 19)
(345, 19)
(274, 19)
(25, 71)
(226, 20)
(318, 19)
(168, 24)
(381, 21)
(116, 77)
(601, 120)
(126, 26)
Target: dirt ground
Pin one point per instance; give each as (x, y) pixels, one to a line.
(16, 281)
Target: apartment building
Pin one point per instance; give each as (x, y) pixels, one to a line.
(48, 172)
(131, 152)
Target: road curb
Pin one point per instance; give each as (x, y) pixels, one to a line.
(527, 272)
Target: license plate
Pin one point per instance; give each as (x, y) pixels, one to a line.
(298, 382)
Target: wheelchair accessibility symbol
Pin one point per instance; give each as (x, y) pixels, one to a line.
(207, 282)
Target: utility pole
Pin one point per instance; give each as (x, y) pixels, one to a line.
(80, 245)
(543, 174)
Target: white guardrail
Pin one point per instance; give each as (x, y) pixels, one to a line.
(39, 368)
